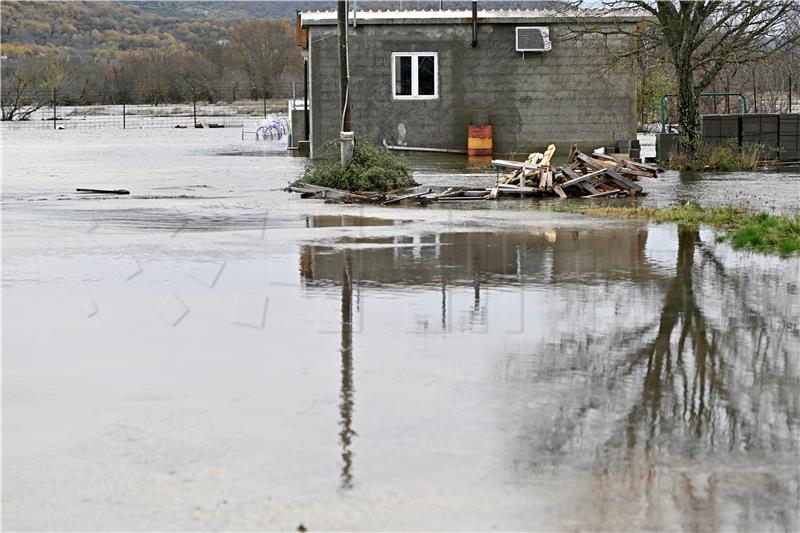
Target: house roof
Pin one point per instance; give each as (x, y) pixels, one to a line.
(464, 16)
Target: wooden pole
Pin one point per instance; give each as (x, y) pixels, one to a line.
(54, 109)
(790, 93)
(344, 96)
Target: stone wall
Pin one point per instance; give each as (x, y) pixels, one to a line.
(562, 96)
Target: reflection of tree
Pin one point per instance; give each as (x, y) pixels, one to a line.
(347, 433)
(716, 377)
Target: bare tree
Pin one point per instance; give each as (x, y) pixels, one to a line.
(21, 81)
(263, 48)
(702, 37)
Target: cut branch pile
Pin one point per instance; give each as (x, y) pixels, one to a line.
(581, 176)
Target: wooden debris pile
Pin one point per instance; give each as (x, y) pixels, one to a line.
(581, 176)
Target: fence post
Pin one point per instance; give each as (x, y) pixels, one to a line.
(54, 108)
(265, 103)
(194, 107)
(123, 114)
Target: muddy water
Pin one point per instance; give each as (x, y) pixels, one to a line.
(212, 353)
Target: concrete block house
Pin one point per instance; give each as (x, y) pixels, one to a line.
(419, 78)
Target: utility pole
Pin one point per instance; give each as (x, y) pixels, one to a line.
(346, 136)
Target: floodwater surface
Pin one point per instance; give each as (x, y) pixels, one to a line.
(213, 353)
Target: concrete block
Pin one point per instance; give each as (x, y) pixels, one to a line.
(666, 144)
(718, 129)
(761, 129)
(304, 148)
(789, 138)
(757, 127)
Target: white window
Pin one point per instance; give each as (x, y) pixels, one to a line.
(415, 75)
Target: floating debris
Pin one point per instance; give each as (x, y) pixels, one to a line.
(104, 191)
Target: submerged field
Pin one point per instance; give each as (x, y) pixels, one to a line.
(213, 353)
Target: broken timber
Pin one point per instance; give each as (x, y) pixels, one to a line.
(582, 176)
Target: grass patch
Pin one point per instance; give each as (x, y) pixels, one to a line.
(373, 168)
(768, 234)
(760, 232)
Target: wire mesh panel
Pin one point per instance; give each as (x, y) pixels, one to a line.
(110, 110)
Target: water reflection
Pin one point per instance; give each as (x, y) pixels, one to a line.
(672, 385)
(474, 258)
(347, 433)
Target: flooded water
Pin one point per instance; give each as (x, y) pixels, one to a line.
(213, 353)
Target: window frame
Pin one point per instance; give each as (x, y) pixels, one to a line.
(415, 75)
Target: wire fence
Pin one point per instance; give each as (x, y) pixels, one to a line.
(111, 111)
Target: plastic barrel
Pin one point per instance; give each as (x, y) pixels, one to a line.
(479, 140)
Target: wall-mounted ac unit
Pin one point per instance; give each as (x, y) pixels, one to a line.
(533, 39)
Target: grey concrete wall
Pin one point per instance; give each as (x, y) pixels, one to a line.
(298, 126)
(561, 96)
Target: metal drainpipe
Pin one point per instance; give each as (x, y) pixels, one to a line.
(474, 23)
(306, 117)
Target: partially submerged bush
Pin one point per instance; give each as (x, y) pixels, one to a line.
(373, 168)
(726, 157)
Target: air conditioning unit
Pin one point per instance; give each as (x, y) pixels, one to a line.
(533, 39)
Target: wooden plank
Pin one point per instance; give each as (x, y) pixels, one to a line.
(623, 181)
(542, 179)
(589, 162)
(407, 197)
(605, 193)
(516, 189)
(548, 155)
(634, 172)
(461, 198)
(573, 152)
(569, 172)
(559, 191)
(585, 177)
(587, 185)
(505, 163)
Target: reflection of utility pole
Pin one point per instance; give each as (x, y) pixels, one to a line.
(346, 136)
(346, 393)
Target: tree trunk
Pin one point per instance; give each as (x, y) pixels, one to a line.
(689, 115)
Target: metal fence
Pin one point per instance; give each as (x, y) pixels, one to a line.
(111, 111)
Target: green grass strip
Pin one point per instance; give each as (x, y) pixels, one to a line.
(759, 232)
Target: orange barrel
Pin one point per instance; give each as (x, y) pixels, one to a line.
(479, 140)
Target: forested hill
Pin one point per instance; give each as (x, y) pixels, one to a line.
(101, 29)
(104, 29)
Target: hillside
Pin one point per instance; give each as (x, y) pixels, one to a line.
(105, 29)
(101, 29)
